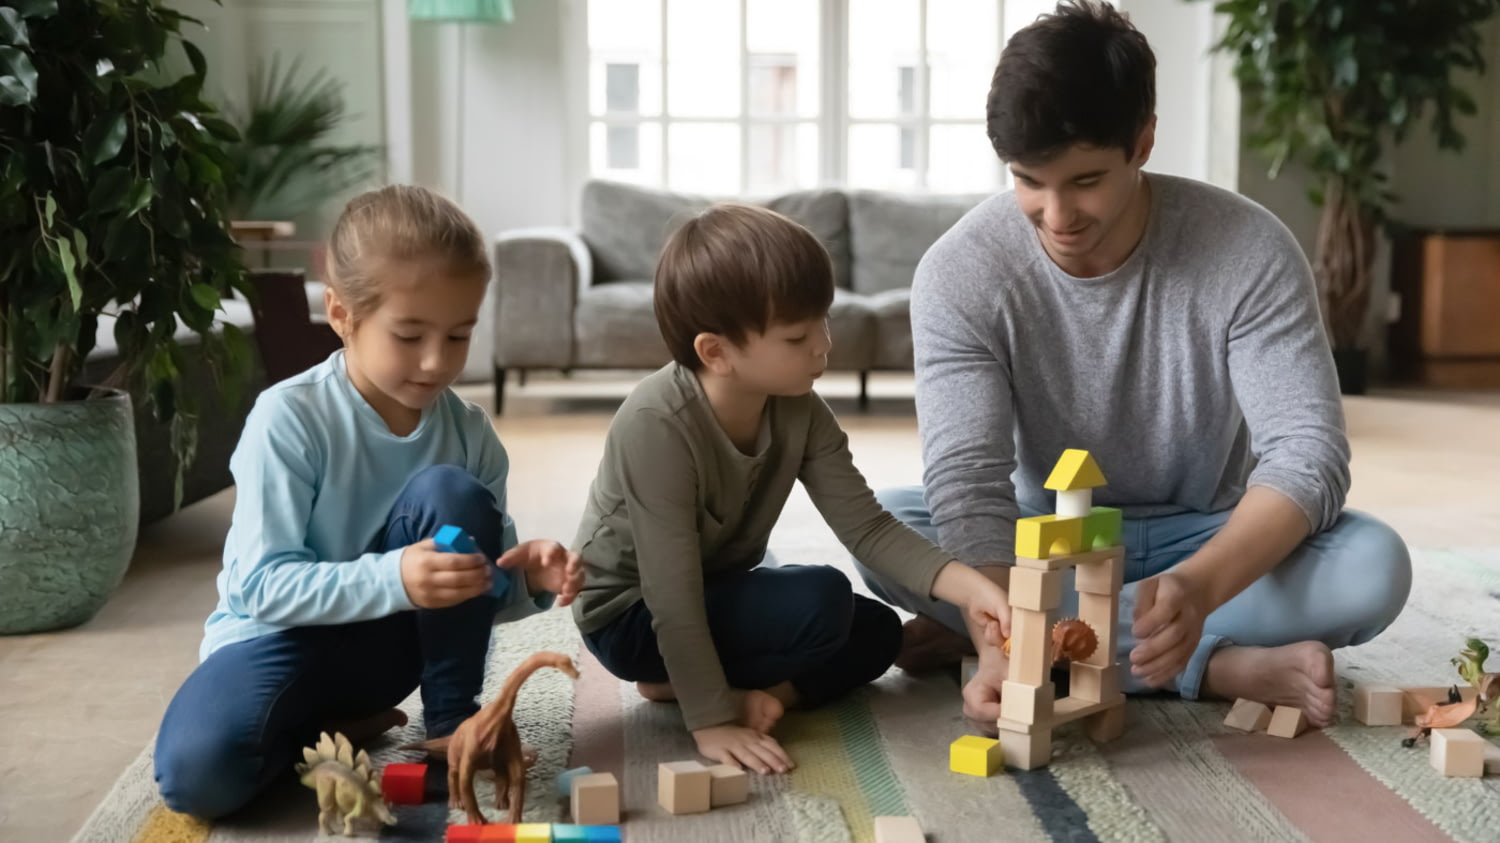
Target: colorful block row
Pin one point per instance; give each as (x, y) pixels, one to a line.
(532, 833)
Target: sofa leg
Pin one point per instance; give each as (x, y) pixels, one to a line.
(499, 390)
(864, 391)
(520, 377)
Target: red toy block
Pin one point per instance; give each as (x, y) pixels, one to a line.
(404, 784)
(463, 834)
(498, 833)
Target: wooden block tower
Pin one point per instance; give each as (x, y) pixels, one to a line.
(1086, 538)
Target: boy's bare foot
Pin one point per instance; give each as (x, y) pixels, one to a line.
(656, 691)
(367, 728)
(1298, 675)
(761, 711)
(928, 645)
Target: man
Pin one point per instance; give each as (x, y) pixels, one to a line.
(1170, 328)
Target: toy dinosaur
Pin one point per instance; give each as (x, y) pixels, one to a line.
(489, 740)
(347, 786)
(1470, 664)
(1072, 640)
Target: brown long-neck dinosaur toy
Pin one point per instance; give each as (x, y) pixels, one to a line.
(489, 740)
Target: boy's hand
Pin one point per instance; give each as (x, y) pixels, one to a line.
(437, 580)
(740, 747)
(988, 607)
(549, 567)
(1169, 615)
(982, 693)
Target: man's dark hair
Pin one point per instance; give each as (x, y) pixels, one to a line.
(1082, 74)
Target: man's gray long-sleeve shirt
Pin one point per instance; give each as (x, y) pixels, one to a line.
(1197, 368)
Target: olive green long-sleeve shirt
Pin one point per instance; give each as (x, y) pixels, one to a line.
(675, 504)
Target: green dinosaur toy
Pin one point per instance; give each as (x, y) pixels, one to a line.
(347, 786)
(1470, 664)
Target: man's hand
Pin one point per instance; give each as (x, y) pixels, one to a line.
(1169, 614)
(741, 746)
(982, 693)
(549, 567)
(437, 580)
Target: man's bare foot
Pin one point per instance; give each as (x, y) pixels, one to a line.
(366, 728)
(656, 691)
(928, 645)
(1298, 675)
(760, 711)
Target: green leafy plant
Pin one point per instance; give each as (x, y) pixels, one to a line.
(112, 202)
(284, 162)
(1332, 83)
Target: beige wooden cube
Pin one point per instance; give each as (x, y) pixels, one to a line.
(1023, 746)
(1102, 613)
(727, 785)
(1287, 722)
(898, 830)
(1491, 759)
(1107, 724)
(684, 787)
(596, 799)
(1248, 716)
(1457, 752)
(1092, 682)
(1030, 647)
(1377, 705)
(1107, 576)
(1036, 590)
(1026, 703)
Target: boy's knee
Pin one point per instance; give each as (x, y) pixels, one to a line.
(449, 489)
(202, 781)
(825, 602)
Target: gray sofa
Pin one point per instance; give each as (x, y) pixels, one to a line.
(581, 299)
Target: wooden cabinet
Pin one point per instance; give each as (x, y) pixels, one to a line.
(1448, 333)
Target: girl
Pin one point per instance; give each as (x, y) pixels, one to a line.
(334, 603)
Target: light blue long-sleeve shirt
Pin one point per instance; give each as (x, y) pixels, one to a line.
(316, 472)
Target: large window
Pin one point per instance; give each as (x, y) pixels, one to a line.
(760, 96)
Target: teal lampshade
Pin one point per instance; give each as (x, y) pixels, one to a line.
(462, 11)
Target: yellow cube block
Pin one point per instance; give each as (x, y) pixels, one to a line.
(534, 833)
(975, 756)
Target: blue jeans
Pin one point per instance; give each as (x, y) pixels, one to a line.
(1342, 586)
(799, 623)
(241, 718)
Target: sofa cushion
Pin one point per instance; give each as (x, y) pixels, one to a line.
(892, 318)
(889, 233)
(852, 327)
(625, 225)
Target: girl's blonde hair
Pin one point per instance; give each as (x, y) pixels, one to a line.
(399, 222)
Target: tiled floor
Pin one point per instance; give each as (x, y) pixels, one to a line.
(77, 706)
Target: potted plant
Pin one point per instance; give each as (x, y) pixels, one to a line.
(1332, 83)
(112, 189)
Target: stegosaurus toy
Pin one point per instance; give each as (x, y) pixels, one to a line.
(347, 785)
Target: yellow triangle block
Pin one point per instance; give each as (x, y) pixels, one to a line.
(1075, 469)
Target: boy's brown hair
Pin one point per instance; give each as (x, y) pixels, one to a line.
(734, 270)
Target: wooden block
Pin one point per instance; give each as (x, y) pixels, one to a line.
(1068, 709)
(404, 784)
(727, 785)
(1102, 527)
(898, 830)
(463, 834)
(1036, 590)
(1101, 612)
(1029, 704)
(1058, 563)
(596, 799)
(1287, 722)
(1377, 705)
(1074, 503)
(975, 756)
(497, 833)
(1457, 752)
(534, 833)
(1093, 682)
(1024, 750)
(1491, 759)
(566, 777)
(1416, 699)
(1108, 724)
(1107, 576)
(1248, 716)
(585, 833)
(1041, 536)
(1031, 647)
(684, 787)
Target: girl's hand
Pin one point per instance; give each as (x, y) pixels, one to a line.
(437, 580)
(549, 567)
(740, 747)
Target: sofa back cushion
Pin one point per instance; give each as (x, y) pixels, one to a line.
(889, 233)
(625, 225)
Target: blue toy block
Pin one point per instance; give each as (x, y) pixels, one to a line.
(451, 539)
(562, 833)
(602, 833)
(565, 780)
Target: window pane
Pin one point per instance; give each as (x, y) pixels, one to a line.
(622, 88)
(882, 39)
(773, 85)
(704, 157)
(875, 158)
(783, 157)
(790, 29)
(703, 58)
(961, 160)
(624, 33)
(647, 141)
(963, 46)
(624, 148)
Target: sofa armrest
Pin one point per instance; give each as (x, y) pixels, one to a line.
(539, 273)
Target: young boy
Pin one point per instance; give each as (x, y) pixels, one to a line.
(697, 467)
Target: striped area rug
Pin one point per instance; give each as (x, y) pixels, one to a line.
(1176, 774)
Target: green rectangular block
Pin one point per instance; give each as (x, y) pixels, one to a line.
(1102, 528)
